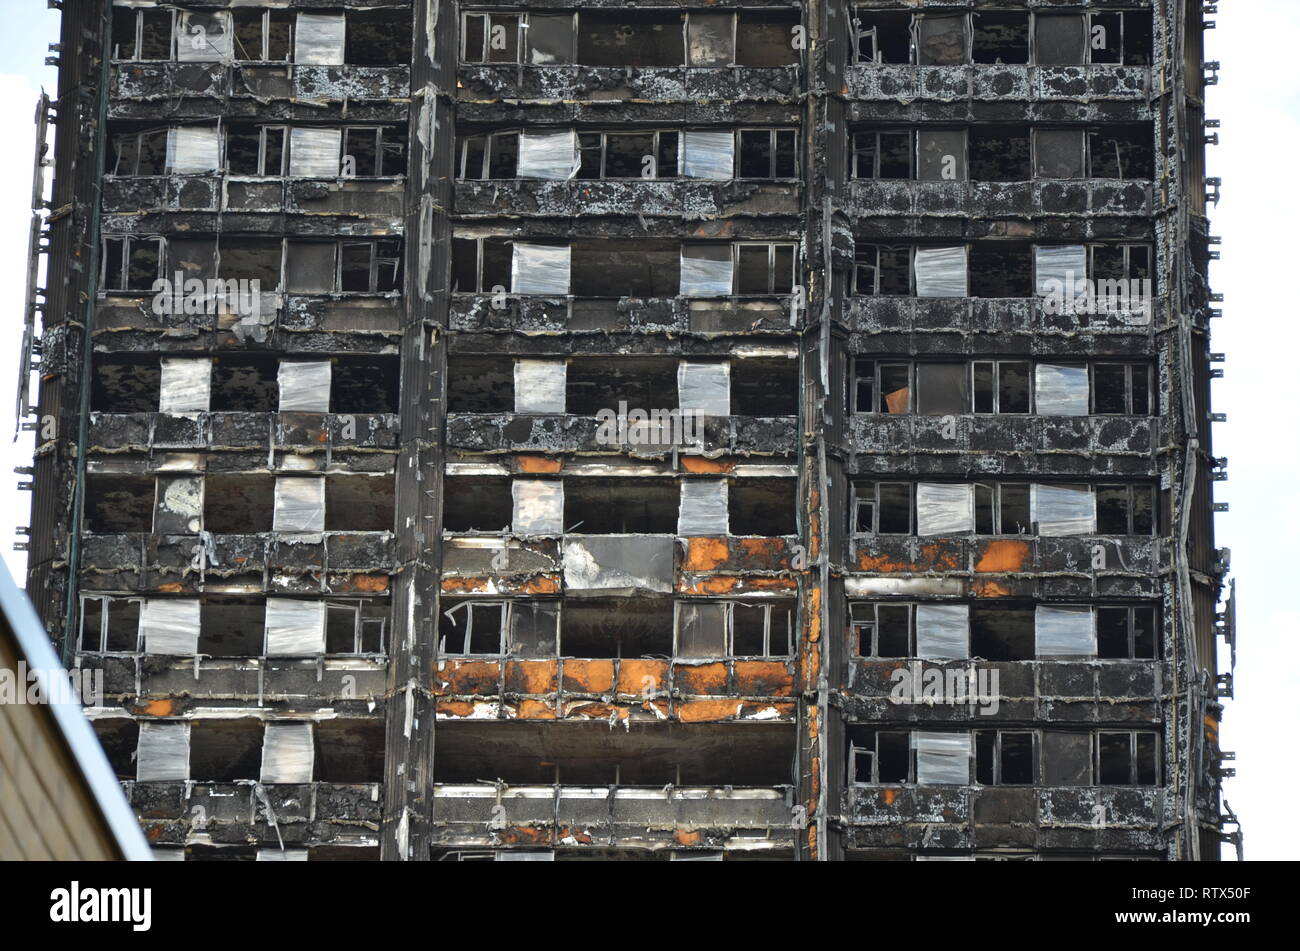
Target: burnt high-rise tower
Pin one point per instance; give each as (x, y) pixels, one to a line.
(682, 430)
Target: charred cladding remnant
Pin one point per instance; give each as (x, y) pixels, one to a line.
(681, 431)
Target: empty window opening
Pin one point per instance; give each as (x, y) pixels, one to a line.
(764, 387)
(617, 269)
(245, 384)
(378, 38)
(1000, 154)
(1002, 633)
(490, 37)
(110, 625)
(1001, 38)
(879, 756)
(621, 506)
(238, 504)
(766, 38)
(365, 385)
(477, 505)
(762, 629)
(350, 751)
(120, 737)
(118, 504)
(1121, 152)
(370, 267)
(594, 384)
(355, 503)
(883, 37)
(617, 627)
(1004, 758)
(126, 383)
(762, 507)
(883, 508)
(232, 627)
(640, 155)
(767, 153)
(1125, 509)
(998, 269)
(481, 265)
(884, 154)
(225, 751)
(138, 153)
(482, 385)
(356, 627)
(637, 38)
(472, 627)
(1126, 633)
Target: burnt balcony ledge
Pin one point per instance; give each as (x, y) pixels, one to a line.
(1069, 198)
(318, 432)
(339, 680)
(991, 324)
(1001, 82)
(1096, 690)
(511, 432)
(353, 206)
(334, 562)
(1026, 566)
(654, 816)
(599, 316)
(292, 322)
(1027, 445)
(202, 89)
(611, 83)
(675, 197)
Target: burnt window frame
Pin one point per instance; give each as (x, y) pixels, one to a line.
(105, 600)
(521, 37)
(772, 277)
(773, 133)
(359, 635)
(1132, 630)
(265, 131)
(858, 625)
(1128, 247)
(998, 779)
(997, 503)
(1091, 130)
(268, 15)
(855, 751)
(658, 153)
(138, 35)
(858, 498)
(877, 395)
(127, 242)
(857, 151)
(1130, 374)
(1124, 14)
(1131, 489)
(1133, 755)
(376, 263)
(873, 249)
(139, 137)
(381, 151)
(462, 159)
(729, 628)
(508, 608)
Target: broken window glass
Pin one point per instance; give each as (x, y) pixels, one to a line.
(767, 153)
(1120, 37)
(534, 628)
(473, 627)
(882, 154)
(1002, 633)
(882, 508)
(1000, 269)
(1121, 153)
(131, 264)
(1126, 633)
(701, 629)
(882, 270)
(550, 39)
(648, 38)
(710, 39)
(1125, 509)
(204, 38)
(378, 38)
(766, 38)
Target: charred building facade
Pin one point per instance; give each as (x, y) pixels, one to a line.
(573, 430)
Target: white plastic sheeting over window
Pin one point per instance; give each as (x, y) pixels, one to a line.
(1063, 509)
(540, 269)
(170, 626)
(710, 155)
(314, 153)
(281, 855)
(1061, 391)
(943, 509)
(305, 386)
(193, 150)
(539, 386)
(943, 631)
(186, 385)
(704, 388)
(288, 753)
(204, 38)
(1059, 271)
(707, 270)
(299, 504)
(942, 757)
(703, 509)
(318, 39)
(162, 754)
(940, 272)
(1064, 632)
(294, 628)
(552, 155)
(538, 506)
(618, 564)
